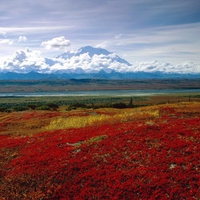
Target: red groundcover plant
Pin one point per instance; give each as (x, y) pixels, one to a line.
(156, 159)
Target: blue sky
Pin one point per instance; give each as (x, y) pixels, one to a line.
(136, 30)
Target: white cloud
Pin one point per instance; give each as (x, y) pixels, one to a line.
(24, 61)
(3, 33)
(118, 36)
(156, 66)
(103, 45)
(56, 43)
(91, 64)
(6, 41)
(22, 39)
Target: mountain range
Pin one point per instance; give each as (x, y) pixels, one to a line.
(88, 62)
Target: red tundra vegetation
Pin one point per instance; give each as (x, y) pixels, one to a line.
(140, 153)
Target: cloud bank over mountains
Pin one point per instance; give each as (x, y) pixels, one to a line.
(84, 60)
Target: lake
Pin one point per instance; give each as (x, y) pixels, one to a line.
(103, 93)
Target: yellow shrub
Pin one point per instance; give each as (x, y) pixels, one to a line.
(76, 122)
(83, 121)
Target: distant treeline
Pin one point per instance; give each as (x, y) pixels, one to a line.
(10, 104)
(55, 106)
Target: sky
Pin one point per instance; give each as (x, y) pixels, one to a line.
(136, 30)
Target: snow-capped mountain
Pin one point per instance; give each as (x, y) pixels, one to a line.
(93, 52)
(87, 59)
(87, 49)
(90, 62)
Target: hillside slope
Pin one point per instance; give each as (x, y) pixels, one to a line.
(139, 153)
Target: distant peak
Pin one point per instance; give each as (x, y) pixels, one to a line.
(93, 51)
